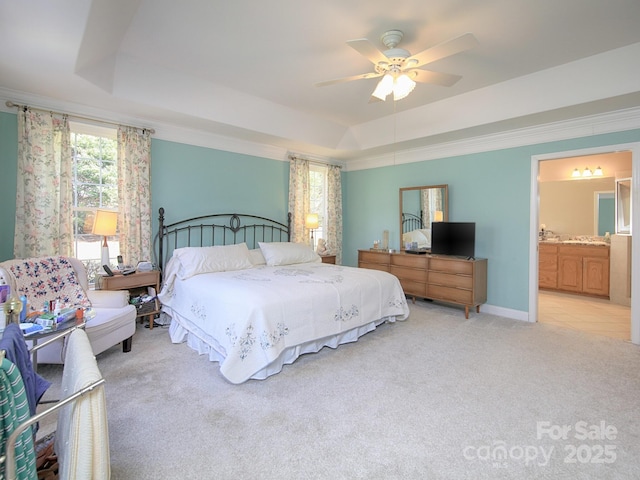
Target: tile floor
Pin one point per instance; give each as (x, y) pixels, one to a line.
(586, 314)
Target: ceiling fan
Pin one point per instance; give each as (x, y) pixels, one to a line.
(399, 69)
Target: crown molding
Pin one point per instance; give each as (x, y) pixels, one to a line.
(618, 121)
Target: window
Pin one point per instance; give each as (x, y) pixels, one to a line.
(318, 196)
(95, 185)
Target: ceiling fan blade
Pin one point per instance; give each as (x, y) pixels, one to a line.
(437, 78)
(367, 49)
(362, 76)
(442, 50)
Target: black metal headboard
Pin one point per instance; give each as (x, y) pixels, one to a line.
(411, 222)
(217, 229)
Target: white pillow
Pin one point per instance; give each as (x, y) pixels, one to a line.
(220, 258)
(288, 253)
(256, 257)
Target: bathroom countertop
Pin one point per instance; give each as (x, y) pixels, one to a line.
(576, 242)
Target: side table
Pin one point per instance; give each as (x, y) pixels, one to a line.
(328, 259)
(61, 330)
(136, 282)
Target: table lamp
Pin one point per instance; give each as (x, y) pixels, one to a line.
(311, 222)
(105, 223)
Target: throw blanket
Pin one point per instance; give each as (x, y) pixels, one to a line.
(16, 352)
(14, 409)
(82, 436)
(44, 279)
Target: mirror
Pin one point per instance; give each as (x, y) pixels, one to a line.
(419, 206)
(623, 206)
(604, 215)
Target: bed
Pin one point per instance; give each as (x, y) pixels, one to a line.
(236, 289)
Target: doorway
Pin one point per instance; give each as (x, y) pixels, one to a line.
(534, 305)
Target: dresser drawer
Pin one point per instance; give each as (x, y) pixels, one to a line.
(455, 295)
(374, 266)
(373, 257)
(410, 260)
(411, 287)
(449, 280)
(451, 266)
(409, 273)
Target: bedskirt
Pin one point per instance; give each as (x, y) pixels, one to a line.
(179, 334)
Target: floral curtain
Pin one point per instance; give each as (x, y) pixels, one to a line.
(134, 194)
(44, 198)
(432, 202)
(299, 200)
(334, 211)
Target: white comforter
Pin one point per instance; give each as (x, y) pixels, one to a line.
(251, 319)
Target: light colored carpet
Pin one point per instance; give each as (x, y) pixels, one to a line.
(436, 396)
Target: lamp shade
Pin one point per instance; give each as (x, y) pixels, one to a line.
(402, 87)
(384, 88)
(311, 220)
(105, 223)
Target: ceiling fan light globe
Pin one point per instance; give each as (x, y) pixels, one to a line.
(402, 87)
(384, 87)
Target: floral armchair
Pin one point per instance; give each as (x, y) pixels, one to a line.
(45, 279)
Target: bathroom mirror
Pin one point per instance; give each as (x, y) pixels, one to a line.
(604, 213)
(623, 206)
(419, 206)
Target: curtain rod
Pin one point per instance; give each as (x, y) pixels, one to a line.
(11, 104)
(314, 162)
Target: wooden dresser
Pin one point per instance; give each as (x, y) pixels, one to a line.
(436, 277)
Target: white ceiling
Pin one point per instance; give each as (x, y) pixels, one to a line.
(245, 70)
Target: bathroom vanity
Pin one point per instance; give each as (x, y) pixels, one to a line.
(574, 267)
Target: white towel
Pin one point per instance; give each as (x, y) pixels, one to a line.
(82, 436)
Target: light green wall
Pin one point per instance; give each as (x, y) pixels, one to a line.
(8, 175)
(491, 189)
(188, 181)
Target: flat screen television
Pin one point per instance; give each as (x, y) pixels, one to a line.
(453, 238)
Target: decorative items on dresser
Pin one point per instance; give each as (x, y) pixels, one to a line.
(444, 278)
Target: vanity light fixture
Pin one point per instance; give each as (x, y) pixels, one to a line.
(587, 173)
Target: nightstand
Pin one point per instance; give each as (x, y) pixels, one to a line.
(136, 283)
(328, 259)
